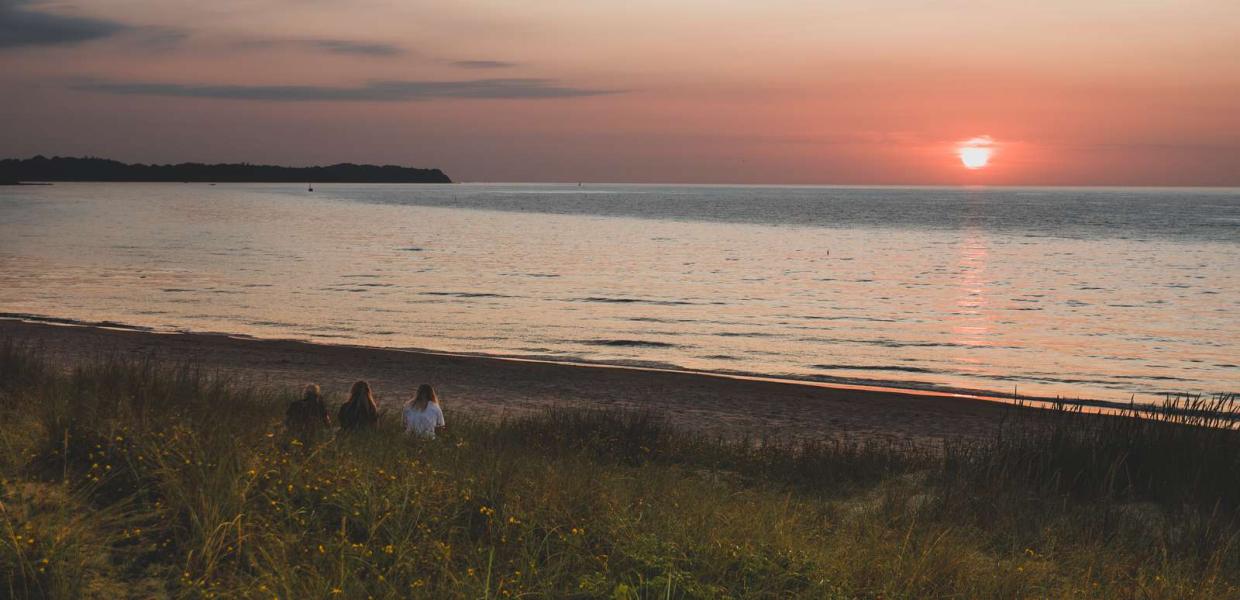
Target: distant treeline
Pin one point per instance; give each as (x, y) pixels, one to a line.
(60, 168)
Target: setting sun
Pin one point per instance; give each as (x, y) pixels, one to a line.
(975, 153)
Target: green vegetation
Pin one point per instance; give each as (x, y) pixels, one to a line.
(146, 480)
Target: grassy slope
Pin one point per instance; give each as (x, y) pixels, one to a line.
(157, 480)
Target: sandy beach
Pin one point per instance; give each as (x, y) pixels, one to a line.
(494, 386)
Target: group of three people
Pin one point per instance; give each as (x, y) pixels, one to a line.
(422, 416)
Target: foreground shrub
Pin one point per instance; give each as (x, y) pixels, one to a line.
(152, 480)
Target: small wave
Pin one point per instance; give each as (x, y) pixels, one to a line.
(634, 301)
(895, 344)
(647, 364)
(535, 275)
(912, 384)
(466, 294)
(628, 343)
(849, 318)
(749, 334)
(1154, 377)
(1110, 382)
(64, 321)
(261, 323)
(874, 368)
(331, 328)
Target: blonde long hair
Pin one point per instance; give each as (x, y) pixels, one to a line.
(426, 394)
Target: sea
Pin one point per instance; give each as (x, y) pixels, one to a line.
(1109, 294)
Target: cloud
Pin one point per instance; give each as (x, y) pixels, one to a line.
(22, 26)
(350, 47)
(484, 64)
(160, 38)
(375, 91)
(335, 46)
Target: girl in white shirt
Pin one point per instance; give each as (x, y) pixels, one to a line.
(422, 415)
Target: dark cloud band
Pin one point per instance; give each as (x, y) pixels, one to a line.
(377, 91)
(22, 26)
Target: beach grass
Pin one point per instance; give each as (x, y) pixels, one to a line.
(122, 478)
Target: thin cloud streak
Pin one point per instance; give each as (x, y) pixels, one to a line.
(352, 47)
(375, 91)
(20, 26)
(332, 45)
(484, 64)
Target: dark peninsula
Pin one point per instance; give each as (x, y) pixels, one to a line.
(60, 168)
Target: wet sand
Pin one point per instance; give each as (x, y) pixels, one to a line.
(495, 387)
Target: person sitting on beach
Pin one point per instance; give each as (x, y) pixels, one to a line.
(307, 415)
(422, 415)
(360, 412)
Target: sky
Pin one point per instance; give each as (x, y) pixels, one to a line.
(1105, 92)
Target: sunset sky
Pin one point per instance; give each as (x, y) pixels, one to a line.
(1136, 92)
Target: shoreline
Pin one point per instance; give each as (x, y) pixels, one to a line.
(498, 386)
(862, 385)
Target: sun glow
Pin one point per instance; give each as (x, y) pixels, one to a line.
(975, 153)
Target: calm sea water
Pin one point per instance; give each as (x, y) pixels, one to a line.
(1083, 293)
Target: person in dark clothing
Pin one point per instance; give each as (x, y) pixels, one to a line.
(307, 416)
(361, 411)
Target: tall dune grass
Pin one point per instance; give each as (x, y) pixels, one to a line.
(138, 479)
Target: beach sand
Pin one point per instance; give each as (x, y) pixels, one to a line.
(495, 387)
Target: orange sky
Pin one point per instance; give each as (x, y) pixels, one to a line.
(782, 91)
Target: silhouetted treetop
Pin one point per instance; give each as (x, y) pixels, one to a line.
(58, 168)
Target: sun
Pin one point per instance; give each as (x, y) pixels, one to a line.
(975, 153)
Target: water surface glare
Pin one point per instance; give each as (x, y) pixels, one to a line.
(1084, 293)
